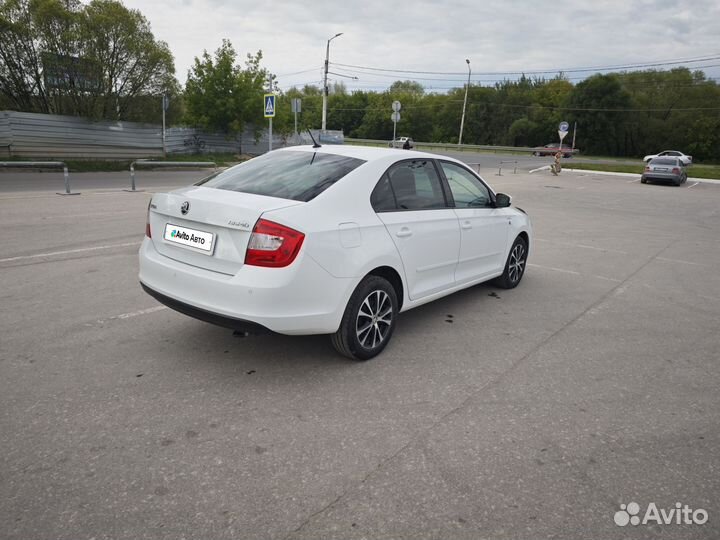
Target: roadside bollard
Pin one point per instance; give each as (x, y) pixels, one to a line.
(43, 165)
(150, 163)
(499, 173)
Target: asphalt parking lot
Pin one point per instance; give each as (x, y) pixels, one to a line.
(530, 413)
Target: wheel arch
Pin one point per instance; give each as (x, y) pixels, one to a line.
(394, 278)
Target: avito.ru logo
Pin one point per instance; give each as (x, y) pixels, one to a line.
(680, 515)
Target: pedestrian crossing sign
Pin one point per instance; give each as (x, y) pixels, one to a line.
(269, 105)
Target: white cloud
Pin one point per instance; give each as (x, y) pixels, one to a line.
(510, 35)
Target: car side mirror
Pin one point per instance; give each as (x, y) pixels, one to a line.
(502, 200)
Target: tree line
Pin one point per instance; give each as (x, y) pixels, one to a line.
(100, 60)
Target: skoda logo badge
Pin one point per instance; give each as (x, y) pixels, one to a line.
(185, 208)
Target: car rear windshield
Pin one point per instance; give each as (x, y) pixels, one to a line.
(300, 176)
(664, 161)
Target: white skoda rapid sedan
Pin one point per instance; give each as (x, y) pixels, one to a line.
(330, 240)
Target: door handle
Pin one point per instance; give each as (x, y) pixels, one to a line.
(466, 225)
(403, 233)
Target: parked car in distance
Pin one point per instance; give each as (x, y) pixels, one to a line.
(330, 240)
(402, 142)
(666, 169)
(552, 148)
(687, 160)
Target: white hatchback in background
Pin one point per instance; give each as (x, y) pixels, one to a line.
(329, 240)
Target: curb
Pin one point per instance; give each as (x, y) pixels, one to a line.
(633, 175)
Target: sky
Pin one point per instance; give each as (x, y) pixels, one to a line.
(497, 37)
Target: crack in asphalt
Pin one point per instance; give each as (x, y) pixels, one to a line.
(613, 292)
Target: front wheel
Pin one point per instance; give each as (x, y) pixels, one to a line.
(515, 265)
(369, 320)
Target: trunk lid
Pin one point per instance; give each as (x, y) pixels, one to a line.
(229, 216)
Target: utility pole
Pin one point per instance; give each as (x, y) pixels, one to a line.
(270, 90)
(462, 121)
(164, 108)
(325, 84)
(574, 133)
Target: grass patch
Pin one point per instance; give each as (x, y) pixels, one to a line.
(101, 165)
(695, 171)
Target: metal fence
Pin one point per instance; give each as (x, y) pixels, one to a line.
(31, 135)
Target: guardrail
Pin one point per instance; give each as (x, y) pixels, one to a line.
(42, 165)
(454, 146)
(499, 173)
(151, 163)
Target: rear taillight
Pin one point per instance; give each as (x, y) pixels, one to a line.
(273, 245)
(148, 232)
(676, 170)
(647, 169)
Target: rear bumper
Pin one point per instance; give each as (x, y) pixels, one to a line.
(207, 316)
(661, 176)
(300, 299)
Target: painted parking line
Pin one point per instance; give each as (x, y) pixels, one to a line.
(581, 246)
(679, 261)
(573, 272)
(68, 252)
(695, 184)
(131, 315)
(562, 270)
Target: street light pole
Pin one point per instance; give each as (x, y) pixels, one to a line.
(462, 120)
(325, 85)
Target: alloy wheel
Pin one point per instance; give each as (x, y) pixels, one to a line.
(374, 319)
(516, 263)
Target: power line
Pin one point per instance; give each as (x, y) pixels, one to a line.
(541, 71)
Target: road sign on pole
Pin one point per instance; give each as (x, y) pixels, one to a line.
(269, 110)
(395, 117)
(562, 131)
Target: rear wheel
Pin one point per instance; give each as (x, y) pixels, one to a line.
(369, 320)
(515, 265)
(643, 180)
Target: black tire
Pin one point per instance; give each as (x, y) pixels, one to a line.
(514, 266)
(643, 180)
(679, 181)
(366, 320)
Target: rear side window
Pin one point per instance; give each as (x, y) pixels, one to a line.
(416, 185)
(300, 176)
(382, 198)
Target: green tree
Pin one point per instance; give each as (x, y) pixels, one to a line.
(599, 102)
(91, 60)
(222, 96)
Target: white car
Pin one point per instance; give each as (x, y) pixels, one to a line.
(687, 160)
(329, 240)
(402, 142)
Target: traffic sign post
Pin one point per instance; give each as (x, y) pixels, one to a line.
(295, 106)
(269, 113)
(395, 117)
(562, 132)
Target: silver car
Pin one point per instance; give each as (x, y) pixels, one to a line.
(667, 169)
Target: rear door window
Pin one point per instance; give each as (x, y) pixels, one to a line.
(300, 176)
